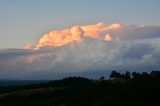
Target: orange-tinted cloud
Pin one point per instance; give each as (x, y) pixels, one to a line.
(29, 46)
(77, 33)
(108, 37)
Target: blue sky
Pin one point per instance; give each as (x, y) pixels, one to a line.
(25, 21)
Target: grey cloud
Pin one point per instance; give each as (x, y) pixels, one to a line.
(137, 32)
(90, 56)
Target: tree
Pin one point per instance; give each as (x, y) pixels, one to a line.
(146, 75)
(102, 78)
(127, 75)
(136, 75)
(155, 74)
(115, 75)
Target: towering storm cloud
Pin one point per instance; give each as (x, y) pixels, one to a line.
(77, 33)
(83, 50)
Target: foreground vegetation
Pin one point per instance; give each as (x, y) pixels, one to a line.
(127, 89)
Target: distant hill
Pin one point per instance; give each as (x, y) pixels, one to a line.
(122, 89)
(20, 82)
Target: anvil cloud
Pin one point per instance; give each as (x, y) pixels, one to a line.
(84, 50)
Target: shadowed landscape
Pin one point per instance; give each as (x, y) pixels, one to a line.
(122, 89)
(79, 53)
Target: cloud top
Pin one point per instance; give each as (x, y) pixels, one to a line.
(85, 49)
(76, 34)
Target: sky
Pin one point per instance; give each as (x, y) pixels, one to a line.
(25, 21)
(52, 39)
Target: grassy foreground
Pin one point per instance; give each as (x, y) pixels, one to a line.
(140, 89)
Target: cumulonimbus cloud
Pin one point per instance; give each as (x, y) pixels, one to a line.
(77, 33)
(82, 49)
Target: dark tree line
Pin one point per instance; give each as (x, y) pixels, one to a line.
(135, 75)
(123, 89)
(117, 75)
